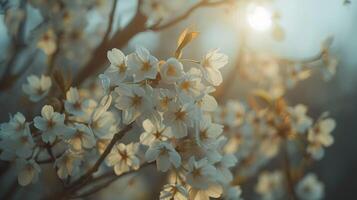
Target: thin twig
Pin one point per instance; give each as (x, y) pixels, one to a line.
(287, 170)
(88, 175)
(113, 177)
(121, 37)
(110, 23)
(201, 4)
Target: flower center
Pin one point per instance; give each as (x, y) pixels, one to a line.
(185, 85)
(121, 68)
(171, 71)
(136, 100)
(145, 67)
(180, 115)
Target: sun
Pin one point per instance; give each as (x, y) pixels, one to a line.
(259, 18)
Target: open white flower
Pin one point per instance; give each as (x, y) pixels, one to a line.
(51, 124)
(82, 138)
(190, 85)
(200, 174)
(117, 71)
(270, 185)
(171, 71)
(27, 171)
(74, 104)
(210, 65)
(208, 131)
(37, 88)
(233, 193)
(103, 122)
(142, 65)
(179, 117)
(133, 100)
(174, 192)
(227, 161)
(300, 121)
(123, 158)
(68, 164)
(164, 154)
(16, 127)
(310, 188)
(321, 132)
(162, 99)
(155, 131)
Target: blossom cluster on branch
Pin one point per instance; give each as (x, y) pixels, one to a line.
(161, 112)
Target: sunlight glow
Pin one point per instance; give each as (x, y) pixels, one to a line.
(259, 18)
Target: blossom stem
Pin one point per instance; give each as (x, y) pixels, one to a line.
(88, 175)
(113, 177)
(287, 171)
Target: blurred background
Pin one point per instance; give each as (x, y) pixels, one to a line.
(305, 24)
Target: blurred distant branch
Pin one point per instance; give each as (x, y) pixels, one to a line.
(121, 37)
(203, 3)
(83, 180)
(288, 173)
(111, 19)
(18, 46)
(112, 177)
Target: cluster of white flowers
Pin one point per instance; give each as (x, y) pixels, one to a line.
(149, 111)
(171, 102)
(277, 75)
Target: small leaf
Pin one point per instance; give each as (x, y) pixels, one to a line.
(185, 38)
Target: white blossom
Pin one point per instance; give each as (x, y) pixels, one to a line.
(118, 69)
(155, 130)
(179, 117)
(133, 100)
(208, 131)
(164, 154)
(174, 192)
(224, 175)
(200, 173)
(27, 171)
(210, 65)
(310, 188)
(142, 65)
(83, 137)
(37, 88)
(270, 185)
(73, 103)
(68, 164)
(123, 158)
(171, 71)
(51, 124)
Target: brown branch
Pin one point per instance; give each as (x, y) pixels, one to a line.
(111, 19)
(120, 38)
(287, 170)
(201, 4)
(88, 175)
(113, 177)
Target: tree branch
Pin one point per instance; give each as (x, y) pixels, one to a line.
(113, 177)
(111, 19)
(202, 3)
(88, 175)
(137, 25)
